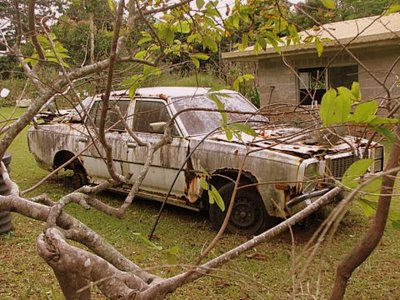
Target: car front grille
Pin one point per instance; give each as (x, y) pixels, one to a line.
(337, 166)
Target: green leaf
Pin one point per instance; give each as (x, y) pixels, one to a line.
(379, 121)
(245, 41)
(154, 47)
(147, 241)
(327, 106)
(235, 20)
(172, 255)
(196, 62)
(368, 207)
(169, 36)
(211, 10)
(217, 198)
(220, 106)
(248, 77)
(319, 46)
(144, 40)
(262, 42)
(201, 56)
(228, 132)
(204, 184)
(329, 4)
(174, 250)
(391, 137)
(194, 38)
(236, 84)
(355, 90)
(355, 171)
(141, 54)
(344, 91)
(393, 9)
(341, 109)
(166, 33)
(171, 259)
(209, 43)
(151, 71)
(257, 47)
(182, 27)
(243, 128)
(364, 112)
(200, 4)
(374, 186)
(132, 91)
(273, 40)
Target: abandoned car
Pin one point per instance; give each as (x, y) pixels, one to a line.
(282, 169)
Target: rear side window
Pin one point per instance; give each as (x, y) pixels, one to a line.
(113, 121)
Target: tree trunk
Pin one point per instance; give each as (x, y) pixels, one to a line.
(91, 38)
(374, 234)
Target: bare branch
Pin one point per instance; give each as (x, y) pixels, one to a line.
(32, 30)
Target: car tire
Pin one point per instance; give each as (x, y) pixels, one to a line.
(5, 222)
(5, 216)
(248, 215)
(77, 180)
(6, 228)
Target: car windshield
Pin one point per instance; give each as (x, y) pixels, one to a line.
(202, 122)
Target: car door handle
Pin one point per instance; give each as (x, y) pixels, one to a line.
(83, 139)
(131, 144)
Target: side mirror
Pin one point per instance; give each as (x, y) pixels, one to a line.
(158, 127)
(4, 93)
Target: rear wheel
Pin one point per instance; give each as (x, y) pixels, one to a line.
(248, 216)
(77, 179)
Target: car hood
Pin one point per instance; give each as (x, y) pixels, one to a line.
(295, 141)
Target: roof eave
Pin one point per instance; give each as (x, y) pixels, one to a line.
(379, 40)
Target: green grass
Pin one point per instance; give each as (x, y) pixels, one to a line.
(262, 273)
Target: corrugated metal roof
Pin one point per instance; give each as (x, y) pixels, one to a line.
(363, 30)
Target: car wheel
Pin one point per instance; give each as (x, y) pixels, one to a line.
(77, 180)
(5, 222)
(248, 216)
(6, 228)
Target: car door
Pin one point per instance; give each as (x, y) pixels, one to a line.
(167, 160)
(116, 136)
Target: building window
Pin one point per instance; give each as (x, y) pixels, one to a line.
(313, 82)
(342, 76)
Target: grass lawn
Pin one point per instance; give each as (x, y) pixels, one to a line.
(265, 272)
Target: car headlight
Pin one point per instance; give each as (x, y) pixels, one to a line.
(310, 180)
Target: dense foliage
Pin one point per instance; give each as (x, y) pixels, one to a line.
(309, 12)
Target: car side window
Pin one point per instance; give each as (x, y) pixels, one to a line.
(148, 112)
(113, 119)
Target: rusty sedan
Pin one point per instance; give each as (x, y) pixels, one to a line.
(281, 171)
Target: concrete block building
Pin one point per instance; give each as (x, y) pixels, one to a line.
(366, 50)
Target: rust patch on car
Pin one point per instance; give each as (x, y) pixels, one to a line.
(192, 180)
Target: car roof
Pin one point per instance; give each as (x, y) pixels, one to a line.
(165, 92)
(170, 92)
